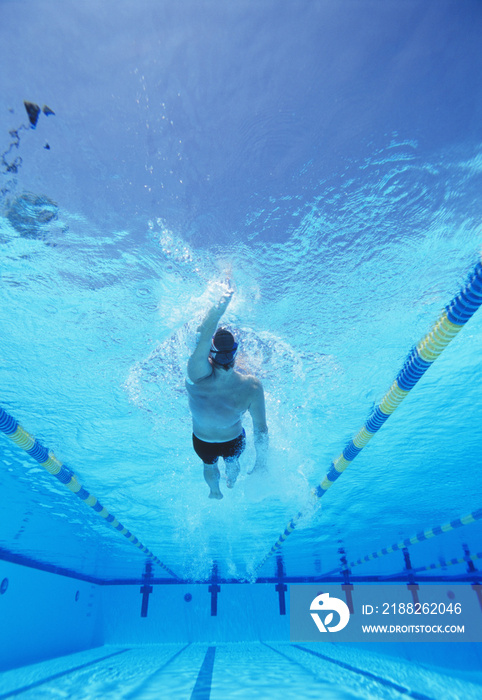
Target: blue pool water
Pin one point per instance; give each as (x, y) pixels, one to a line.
(328, 158)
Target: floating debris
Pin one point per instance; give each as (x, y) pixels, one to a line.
(10, 165)
(28, 214)
(33, 112)
(14, 165)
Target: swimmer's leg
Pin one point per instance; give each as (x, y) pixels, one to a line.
(211, 476)
(232, 471)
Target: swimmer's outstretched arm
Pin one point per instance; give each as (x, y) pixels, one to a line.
(258, 414)
(198, 366)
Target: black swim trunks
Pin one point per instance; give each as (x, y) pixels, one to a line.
(210, 452)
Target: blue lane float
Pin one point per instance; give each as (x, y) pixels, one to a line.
(10, 427)
(447, 326)
(423, 536)
(449, 562)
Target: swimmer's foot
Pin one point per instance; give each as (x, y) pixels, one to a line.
(258, 469)
(232, 473)
(211, 477)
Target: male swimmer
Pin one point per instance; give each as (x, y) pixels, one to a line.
(218, 397)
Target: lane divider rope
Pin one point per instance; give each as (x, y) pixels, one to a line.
(448, 325)
(450, 562)
(440, 565)
(415, 539)
(10, 427)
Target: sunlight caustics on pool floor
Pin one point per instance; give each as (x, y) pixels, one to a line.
(203, 671)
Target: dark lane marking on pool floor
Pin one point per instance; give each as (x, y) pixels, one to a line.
(54, 677)
(367, 674)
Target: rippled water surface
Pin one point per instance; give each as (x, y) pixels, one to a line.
(193, 150)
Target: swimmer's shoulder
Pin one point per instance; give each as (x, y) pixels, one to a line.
(251, 383)
(192, 384)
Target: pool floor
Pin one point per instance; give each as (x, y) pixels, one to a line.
(242, 670)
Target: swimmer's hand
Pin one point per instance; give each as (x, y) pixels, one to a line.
(208, 326)
(223, 303)
(198, 366)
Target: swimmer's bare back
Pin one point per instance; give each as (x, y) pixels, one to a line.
(219, 396)
(218, 403)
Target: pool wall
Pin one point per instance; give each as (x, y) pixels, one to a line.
(45, 615)
(244, 613)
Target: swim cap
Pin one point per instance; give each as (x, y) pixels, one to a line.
(223, 347)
